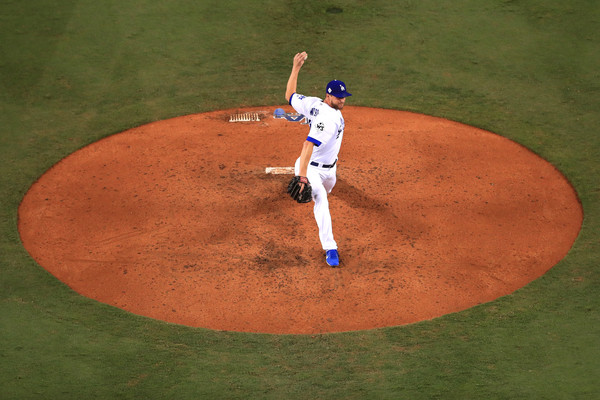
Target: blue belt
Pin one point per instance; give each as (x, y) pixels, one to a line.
(316, 164)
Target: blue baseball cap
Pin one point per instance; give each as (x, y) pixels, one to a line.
(337, 88)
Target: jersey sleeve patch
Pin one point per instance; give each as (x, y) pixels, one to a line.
(313, 140)
(299, 103)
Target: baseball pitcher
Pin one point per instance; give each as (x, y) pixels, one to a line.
(316, 167)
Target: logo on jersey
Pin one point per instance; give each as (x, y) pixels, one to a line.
(321, 126)
(314, 112)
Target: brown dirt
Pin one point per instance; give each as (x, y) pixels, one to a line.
(177, 220)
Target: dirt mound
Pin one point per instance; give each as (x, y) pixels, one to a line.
(177, 220)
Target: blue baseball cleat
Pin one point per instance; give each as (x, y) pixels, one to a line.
(332, 257)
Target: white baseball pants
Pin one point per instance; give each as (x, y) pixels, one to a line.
(322, 181)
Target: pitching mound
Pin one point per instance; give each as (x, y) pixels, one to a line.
(177, 220)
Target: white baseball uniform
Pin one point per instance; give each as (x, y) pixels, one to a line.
(326, 133)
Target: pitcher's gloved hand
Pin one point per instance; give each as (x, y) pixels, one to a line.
(300, 190)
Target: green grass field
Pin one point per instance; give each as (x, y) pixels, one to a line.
(74, 71)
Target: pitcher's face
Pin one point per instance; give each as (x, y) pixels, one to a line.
(335, 102)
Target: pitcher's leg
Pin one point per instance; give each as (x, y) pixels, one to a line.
(321, 207)
(323, 218)
(329, 178)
